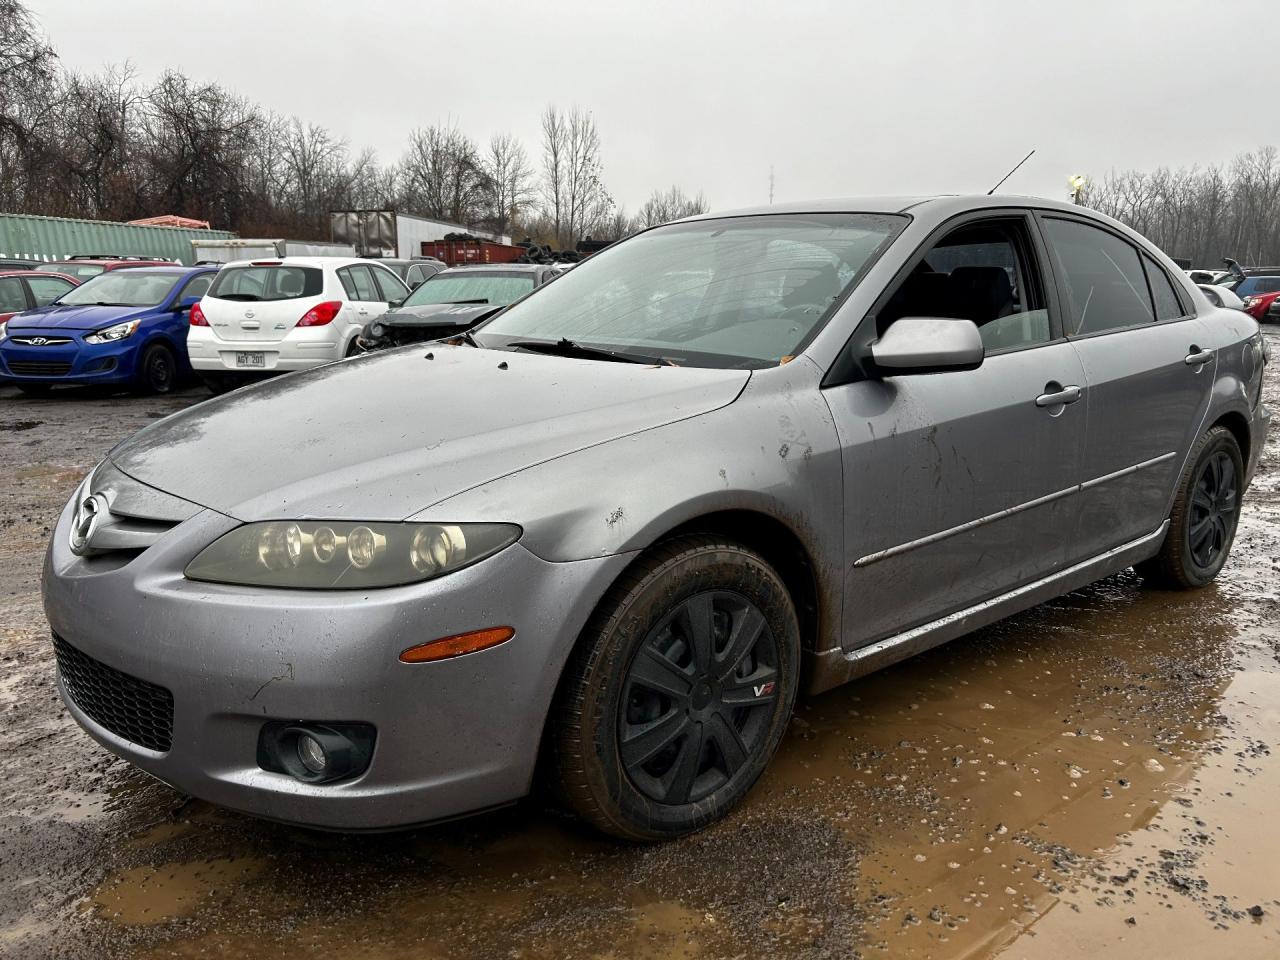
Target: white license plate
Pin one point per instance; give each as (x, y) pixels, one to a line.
(255, 359)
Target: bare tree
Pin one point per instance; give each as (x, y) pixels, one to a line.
(510, 180)
(442, 175)
(575, 200)
(663, 206)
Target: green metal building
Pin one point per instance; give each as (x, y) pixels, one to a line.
(56, 238)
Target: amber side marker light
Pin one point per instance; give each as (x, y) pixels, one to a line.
(460, 643)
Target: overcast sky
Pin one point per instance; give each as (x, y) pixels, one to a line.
(842, 99)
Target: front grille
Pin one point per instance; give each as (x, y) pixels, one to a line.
(132, 709)
(39, 368)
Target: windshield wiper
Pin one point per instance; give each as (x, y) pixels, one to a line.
(564, 347)
(104, 303)
(239, 296)
(456, 302)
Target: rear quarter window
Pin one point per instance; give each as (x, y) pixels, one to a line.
(267, 283)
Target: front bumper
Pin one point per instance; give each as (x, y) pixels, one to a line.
(453, 736)
(76, 362)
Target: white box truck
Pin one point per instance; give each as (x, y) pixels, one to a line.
(225, 251)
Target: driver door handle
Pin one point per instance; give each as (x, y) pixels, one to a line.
(1197, 356)
(1064, 396)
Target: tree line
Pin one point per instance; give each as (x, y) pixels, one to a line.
(1203, 214)
(109, 146)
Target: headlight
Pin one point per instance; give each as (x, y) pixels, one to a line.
(327, 555)
(117, 332)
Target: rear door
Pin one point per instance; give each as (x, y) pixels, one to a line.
(958, 485)
(1148, 378)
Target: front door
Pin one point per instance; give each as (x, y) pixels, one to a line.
(959, 485)
(1148, 379)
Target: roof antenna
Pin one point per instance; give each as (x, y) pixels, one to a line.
(1009, 174)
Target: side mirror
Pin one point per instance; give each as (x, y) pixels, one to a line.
(416, 284)
(185, 304)
(928, 345)
(395, 303)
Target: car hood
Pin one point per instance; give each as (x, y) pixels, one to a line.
(55, 317)
(438, 315)
(383, 436)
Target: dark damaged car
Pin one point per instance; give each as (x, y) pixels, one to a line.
(614, 532)
(453, 301)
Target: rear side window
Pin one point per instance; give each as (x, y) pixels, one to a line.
(389, 284)
(45, 290)
(196, 287)
(358, 284)
(1168, 306)
(1255, 285)
(1105, 286)
(12, 299)
(267, 283)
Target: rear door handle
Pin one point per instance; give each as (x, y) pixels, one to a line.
(1197, 356)
(1060, 398)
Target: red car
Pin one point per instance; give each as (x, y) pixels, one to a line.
(84, 266)
(1263, 306)
(27, 289)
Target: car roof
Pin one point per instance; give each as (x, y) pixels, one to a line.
(36, 273)
(177, 268)
(318, 262)
(112, 261)
(494, 268)
(940, 203)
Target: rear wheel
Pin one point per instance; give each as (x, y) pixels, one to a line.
(680, 692)
(158, 369)
(1202, 525)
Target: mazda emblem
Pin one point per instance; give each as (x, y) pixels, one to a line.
(85, 522)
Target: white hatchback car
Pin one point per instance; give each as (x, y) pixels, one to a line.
(264, 316)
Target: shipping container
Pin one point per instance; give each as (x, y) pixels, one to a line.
(385, 233)
(56, 238)
(225, 251)
(460, 253)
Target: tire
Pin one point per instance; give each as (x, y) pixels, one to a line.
(651, 739)
(353, 348)
(35, 389)
(157, 370)
(1202, 524)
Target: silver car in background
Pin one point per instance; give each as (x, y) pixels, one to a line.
(616, 529)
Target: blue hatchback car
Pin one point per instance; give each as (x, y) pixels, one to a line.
(126, 327)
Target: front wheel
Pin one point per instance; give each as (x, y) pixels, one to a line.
(679, 693)
(1202, 525)
(158, 369)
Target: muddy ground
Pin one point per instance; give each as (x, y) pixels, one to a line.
(1097, 777)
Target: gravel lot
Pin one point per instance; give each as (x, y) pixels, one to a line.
(1095, 777)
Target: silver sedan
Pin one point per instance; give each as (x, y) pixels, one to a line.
(614, 531)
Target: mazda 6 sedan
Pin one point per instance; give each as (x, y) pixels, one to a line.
(609, 535)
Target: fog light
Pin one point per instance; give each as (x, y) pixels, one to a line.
(311, 753)
(316, 752)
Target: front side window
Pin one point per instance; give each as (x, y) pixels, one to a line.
(123, 288)
(45, 290)
(734, 292)
(476, 287)
(267, 282)
(389, 284)
(981, 272)
(1105, 286)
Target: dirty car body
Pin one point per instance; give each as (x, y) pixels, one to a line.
(901, 507)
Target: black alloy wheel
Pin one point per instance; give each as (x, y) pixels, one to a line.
(698, 698)
(678, 692)
(1206, 510)
(1215, 505)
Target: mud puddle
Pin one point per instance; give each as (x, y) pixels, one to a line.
(1095, 777)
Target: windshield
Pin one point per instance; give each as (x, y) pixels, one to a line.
(81, 271)
(739, 292)
(488, 287)
(253, 283)
(123, 288)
